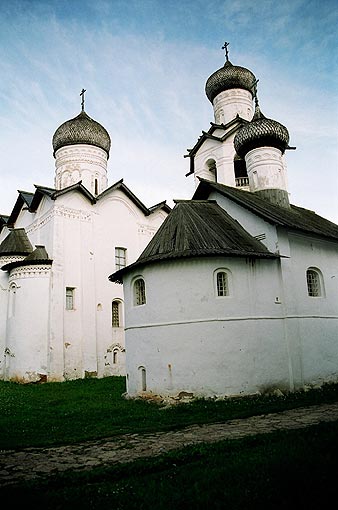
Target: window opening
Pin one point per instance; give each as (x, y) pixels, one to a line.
(12, 299)
(139, 292)
(115, 355)
(241, 174)
(96, 187)
(313, 283)
(211, 164)
(115, 312)
(70, 291)
(143, 378)
(222, 284)
(120, 257)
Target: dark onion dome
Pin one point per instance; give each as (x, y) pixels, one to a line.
(229, 77)
(261, 132)
(81, 129)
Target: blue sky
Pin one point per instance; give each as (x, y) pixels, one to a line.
(144, 65)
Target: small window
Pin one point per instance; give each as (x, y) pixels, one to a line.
(70, 292)
(222, 284)
(143, 378)
(313, 283)
(120, 258)
(115, 356)
(139, 292)
(12, 299)
(211, 166)
(115, 314)
(96, 187)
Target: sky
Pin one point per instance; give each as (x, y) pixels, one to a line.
(144, 64)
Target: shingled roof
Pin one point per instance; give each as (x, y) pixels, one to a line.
(16, 243)
(38, 256)
(198, 228)
(294, 218)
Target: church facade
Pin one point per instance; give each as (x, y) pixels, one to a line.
(237, 292)
(60, 317)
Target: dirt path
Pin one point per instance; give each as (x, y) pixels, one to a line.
(35, 463)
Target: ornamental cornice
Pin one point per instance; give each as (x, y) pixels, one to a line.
(68, 152)
(30, 271)
(144, 229)
(75, 214)
(60, 211)
(7, 259)
(70, 161)
(40, 222)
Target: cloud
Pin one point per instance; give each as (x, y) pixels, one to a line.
(144, 70)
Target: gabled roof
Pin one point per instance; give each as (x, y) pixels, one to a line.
(3, 220)
(16, 243)
(194, 229)
(229, 128)
(122, 187)
(32, 200)
(38, 256)
(24, 198)
(55, 193)
(295, 218)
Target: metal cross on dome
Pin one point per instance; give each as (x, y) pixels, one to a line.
(82, 93)
(225, 47)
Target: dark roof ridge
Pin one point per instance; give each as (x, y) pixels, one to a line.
(295, 218)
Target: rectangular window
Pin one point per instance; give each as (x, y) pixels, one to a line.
(120, 258)
(70, 291)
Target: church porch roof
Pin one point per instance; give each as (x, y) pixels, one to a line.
(37, 256)
(195, 229)
(16, 243)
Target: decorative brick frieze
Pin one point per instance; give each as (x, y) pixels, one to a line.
(30, 271)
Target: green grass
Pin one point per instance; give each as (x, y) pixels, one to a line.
(282, 470)
(279, 471)
(68, 412)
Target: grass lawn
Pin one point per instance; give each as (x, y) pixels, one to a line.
(282, 470)
(68, 412)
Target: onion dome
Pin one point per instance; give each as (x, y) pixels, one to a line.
(261, 132)
(81, 130)
(229, 77)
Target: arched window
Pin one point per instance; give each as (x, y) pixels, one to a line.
(211, 166)
(139, 292)
(314, 283)
(12, 299)
(222, 281)
(143, 378)
(115, 356)
(241, 174)
(115, 314)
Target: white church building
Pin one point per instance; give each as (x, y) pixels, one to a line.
(60, 316)
(237, 292)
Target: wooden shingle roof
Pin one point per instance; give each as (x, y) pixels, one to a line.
(16, 243)
(198, 228)
(294, 218)
(38, 256)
